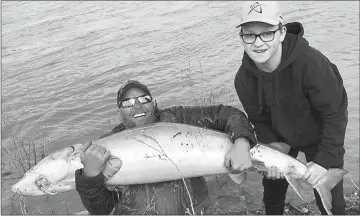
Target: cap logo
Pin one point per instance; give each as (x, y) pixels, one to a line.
(255, 7)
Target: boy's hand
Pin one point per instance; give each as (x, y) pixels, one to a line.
(273, 172)
(314, 173)
(94, 158)
(237, 159)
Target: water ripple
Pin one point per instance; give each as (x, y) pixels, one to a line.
(63, 62)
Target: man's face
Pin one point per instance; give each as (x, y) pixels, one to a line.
(259, 51)
(140, 113)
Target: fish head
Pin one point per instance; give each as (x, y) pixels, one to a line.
(51, 174)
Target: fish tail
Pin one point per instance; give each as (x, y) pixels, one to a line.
(332, 177)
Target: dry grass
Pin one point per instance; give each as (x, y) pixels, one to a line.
(209, 94)
(20, 156)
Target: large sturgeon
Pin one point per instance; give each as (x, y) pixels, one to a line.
(162, 152)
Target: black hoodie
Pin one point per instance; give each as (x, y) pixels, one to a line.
(302, 103)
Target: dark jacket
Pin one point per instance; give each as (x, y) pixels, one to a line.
(164, 197)
(302, 103)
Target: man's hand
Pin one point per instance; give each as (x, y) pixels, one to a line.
(94, 158)
(314, 174)
(273, 172)
(237, 159)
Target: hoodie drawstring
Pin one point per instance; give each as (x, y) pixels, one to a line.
(260, 95)
(276, 89)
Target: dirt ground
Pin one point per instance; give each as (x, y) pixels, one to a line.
(228, 203)
(352, 208)
(230, 199)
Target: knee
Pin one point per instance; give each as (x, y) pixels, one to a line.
(338, 200)
(200, 188)
(274, 191)
(274, 185)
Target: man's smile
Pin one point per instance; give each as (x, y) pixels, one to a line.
(137, 115)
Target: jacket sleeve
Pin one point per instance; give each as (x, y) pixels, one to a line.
(325, 90)
(222, 118)
(262, 122)
(96, 198)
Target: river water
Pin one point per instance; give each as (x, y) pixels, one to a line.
(62, 63)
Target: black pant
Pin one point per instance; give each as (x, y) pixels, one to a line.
(275, 192)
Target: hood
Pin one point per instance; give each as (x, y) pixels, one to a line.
(292, 47)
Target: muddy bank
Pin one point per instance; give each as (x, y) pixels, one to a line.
(352, 208)
(231, 199)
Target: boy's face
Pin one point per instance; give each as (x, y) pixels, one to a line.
(140, 113)
(259, 51)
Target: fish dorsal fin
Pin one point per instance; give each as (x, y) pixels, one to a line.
(295, 184)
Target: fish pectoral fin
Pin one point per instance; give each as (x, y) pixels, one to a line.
(238, 178)
(332, 177)
(113, 166)
(295, 184)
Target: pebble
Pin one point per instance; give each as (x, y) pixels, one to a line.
(305, 210)
(242, 198)
(286, 210)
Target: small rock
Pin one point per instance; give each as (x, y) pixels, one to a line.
(286, 210)
(356, 193)
(242, 198)
(305, 210)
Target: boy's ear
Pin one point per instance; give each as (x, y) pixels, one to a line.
(283, 33)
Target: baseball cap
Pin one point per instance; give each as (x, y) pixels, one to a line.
(261, 11)
(128, 85)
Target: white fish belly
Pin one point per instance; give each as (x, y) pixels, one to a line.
(162, 152)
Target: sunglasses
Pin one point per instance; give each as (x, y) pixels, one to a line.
(130, 102)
